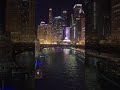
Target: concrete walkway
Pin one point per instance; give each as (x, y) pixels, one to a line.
(91, 80)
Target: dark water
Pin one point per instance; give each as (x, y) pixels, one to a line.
(18, 81)
(61, 71)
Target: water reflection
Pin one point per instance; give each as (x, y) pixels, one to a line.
(61, 71)
(21, 75)
(66, 51)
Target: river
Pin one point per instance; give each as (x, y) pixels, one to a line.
(61, 69)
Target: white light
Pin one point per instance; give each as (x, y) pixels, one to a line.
(64, 11)
(50, 9)
(80, 11)
(38, 72)
(42, 22)
(80, 5)
(66, 40)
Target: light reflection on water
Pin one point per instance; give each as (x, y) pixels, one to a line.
(66, 51)
(62, 66)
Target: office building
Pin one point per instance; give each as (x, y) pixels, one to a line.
(82, 16)
(115, 19)
(42, 32)
(50, 16)
(57, 30)
(20, 20)
(72, 29)
(90, 12)
(77, 21)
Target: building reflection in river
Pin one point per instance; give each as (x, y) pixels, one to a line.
(61, 71)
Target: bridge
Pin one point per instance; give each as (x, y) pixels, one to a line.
(23, 47)
(60, 45)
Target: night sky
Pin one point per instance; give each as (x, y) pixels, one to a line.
(42, 7)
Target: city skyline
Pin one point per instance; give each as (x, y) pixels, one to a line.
(57, 6)
(75, 45)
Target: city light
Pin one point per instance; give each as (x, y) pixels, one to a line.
(78, 45)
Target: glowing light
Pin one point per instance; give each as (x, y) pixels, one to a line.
(42, 22)
(80, 5)
(58, 17)
(38, 72)
(66, 51)
(50, 9)
(64, 11)
(66, 40)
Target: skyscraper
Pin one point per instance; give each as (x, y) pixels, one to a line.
(49, 34)
(42, 32)
(82, 36)
(20, 20)
(64, 16)
(77, 9)
(50, 16)
(90, 24)
(49, 27)
(115, 19)
(103, 15)
(72, 29)
(57, 30)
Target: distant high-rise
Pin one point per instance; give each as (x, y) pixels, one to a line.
(77, 8)
(64, 16)
(42, 32)
(72, 29)
(77, 30)
(57, 30)
(50, 16)
(20, 20)
(82, 16)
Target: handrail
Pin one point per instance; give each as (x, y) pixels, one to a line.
(111, 81)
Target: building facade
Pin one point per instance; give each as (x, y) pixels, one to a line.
(82, 36)
(50, 16)
(115, 19)
(20, 20)
(90, 13)
(72, 29)
(42, 33)
(58, 27)
(77, 21)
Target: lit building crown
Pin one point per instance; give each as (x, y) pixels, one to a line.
(50, 9)
(77, 5)
(58, 17)
(42, 22)
(64, 11)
